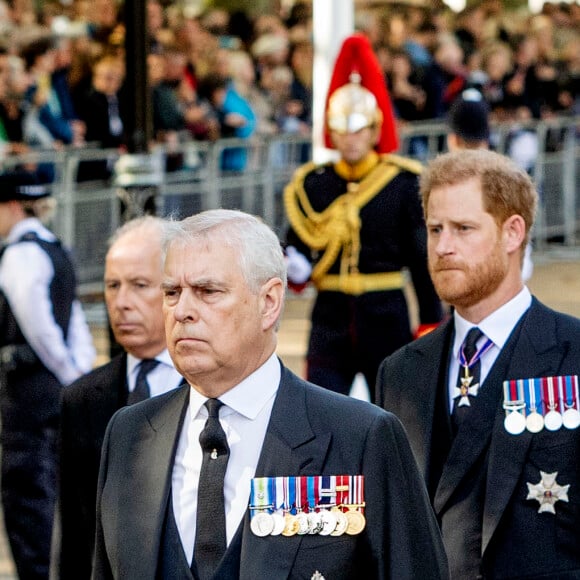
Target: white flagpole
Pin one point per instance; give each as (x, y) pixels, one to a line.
(333, 21)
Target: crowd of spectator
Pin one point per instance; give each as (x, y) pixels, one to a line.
(218, 74)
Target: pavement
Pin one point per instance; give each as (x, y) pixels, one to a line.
(554, 282)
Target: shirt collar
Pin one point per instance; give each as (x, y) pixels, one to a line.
(250, 396)
(132, 361)
(498, 325)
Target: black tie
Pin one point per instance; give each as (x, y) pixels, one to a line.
(469, 348)
(141, 390)
(210, 534)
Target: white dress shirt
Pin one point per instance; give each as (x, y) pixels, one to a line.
(26, 272)
(161, 379)
(498, 327)
(244, 417)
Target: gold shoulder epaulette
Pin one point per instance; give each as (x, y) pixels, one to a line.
(403, 162)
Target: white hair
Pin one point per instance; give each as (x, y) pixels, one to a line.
(258, 247)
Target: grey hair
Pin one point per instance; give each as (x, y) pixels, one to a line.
(148, 226)
(143, 222)
(258, 247)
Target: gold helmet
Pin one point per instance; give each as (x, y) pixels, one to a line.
(352, 108)
(358, 96)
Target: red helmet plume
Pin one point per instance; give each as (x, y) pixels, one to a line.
(358, 95)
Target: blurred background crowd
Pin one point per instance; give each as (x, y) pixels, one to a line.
(216, 73)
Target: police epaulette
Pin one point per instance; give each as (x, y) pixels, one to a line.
(403, 162)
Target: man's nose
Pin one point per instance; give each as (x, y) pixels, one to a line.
(124, 297)
(444, 243)
(186, 307)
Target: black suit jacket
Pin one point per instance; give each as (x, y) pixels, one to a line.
(87, 406)
(94, 111)
(516, 541)
(311, 432)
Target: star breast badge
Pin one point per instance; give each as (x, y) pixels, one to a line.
(547, 492)
(317, 576)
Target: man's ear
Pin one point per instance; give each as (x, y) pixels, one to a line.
(514, 231)
(271, 302)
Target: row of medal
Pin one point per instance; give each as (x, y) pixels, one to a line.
(326, 505)
(541, 403)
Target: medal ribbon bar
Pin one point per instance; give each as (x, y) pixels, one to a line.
(570, 401)
(541, 402)
(534, 406)
(553, 417)
(315, 505)
(514, 405)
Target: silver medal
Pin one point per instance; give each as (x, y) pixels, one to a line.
(534, 422)
(314, 522)
(262, 524)
(303, 527)
(279, 523)
(515, 423)
(553, 420)
(571, 419)
(328, 520)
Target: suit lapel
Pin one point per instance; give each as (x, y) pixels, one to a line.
(291, 447)
(537, 353)
(153, 455)
(424, 377)
(474, 435)
(108, 395)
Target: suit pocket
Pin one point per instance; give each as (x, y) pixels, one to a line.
(333, 557)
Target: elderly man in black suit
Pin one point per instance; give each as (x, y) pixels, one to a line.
(133, 272)
(490, 398)
(249, 472)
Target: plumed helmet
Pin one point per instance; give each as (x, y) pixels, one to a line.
(352, 108)
(358, 95)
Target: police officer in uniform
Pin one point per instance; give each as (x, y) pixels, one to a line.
(359, 223)
(45, 345)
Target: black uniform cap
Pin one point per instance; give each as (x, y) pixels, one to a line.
(21, 186)
(468, 116)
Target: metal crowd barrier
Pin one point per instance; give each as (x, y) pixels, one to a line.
(251, 175)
